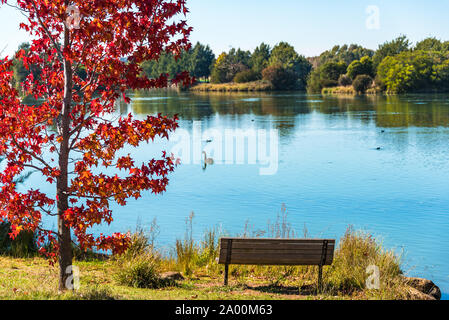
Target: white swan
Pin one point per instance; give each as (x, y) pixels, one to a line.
(207, 160)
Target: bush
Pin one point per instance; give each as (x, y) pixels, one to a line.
(23, 246)
(95, 293)
(187, 250)
(332, 70)
(139, 266)
(357, 251)
(362, 83)
(245, 76)
(140, 272)
(328, 83)
(364, 66)
(344, 80)
(280, 78)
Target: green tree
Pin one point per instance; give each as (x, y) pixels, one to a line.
(314, 84)
(391, 48)
(260, 58)
(440, 76)
(326, 75)
(227, 66)
(429, 44)
(201, 60)
(238, 56)
(344, 53)
(246, 76)
(332, 70)
(344, 80)
(284, 55)
(417, 71)
(280, 77)
(396, 76)
(361, 83)
(362, 66)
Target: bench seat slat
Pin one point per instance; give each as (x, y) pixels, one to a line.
(299, 251)
(275, 259)
(278, 262)
(276, 246)
(261, 240)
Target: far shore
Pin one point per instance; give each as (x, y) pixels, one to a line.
(255, 86)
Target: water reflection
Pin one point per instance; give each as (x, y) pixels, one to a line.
(385, 111)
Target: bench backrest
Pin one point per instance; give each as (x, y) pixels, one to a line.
(276, 251)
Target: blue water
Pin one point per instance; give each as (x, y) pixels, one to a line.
(379, 164)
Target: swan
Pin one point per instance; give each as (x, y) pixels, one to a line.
(207, 160)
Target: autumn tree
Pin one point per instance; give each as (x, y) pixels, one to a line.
(70, 136)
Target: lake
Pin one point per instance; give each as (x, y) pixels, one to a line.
(379, 164)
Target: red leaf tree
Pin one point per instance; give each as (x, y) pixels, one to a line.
(67, 136)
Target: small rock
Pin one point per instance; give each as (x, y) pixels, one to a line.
(174, 276)
(425, 286)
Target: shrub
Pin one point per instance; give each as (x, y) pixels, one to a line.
(245, 76)
(140, 272)
(280, 78)
(362, 83)
(344, 80)
(225, 69)
(364, 66)
(332, 70)
(187, 250)
(357, 251)
(95, 293)
(23, 246)
(209, 250)
(327, 83)
(139, 266)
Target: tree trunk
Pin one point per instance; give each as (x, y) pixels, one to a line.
(64, 238)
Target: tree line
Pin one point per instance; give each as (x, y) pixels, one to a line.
(395, 67)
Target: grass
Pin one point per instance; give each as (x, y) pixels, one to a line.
(137, 273)
(347, 90)
(260, 85)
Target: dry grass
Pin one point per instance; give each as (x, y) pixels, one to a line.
(349, 90)
(255, 86)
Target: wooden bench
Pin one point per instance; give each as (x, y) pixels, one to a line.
(276, 252)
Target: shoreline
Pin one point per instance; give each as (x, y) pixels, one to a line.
(144, 271)
(255, 86)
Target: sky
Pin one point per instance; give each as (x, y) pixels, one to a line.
(311, 26)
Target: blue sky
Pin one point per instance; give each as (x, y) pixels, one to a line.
(311, 26)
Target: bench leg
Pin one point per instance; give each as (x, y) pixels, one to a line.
(320, 278)
(226, 274)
